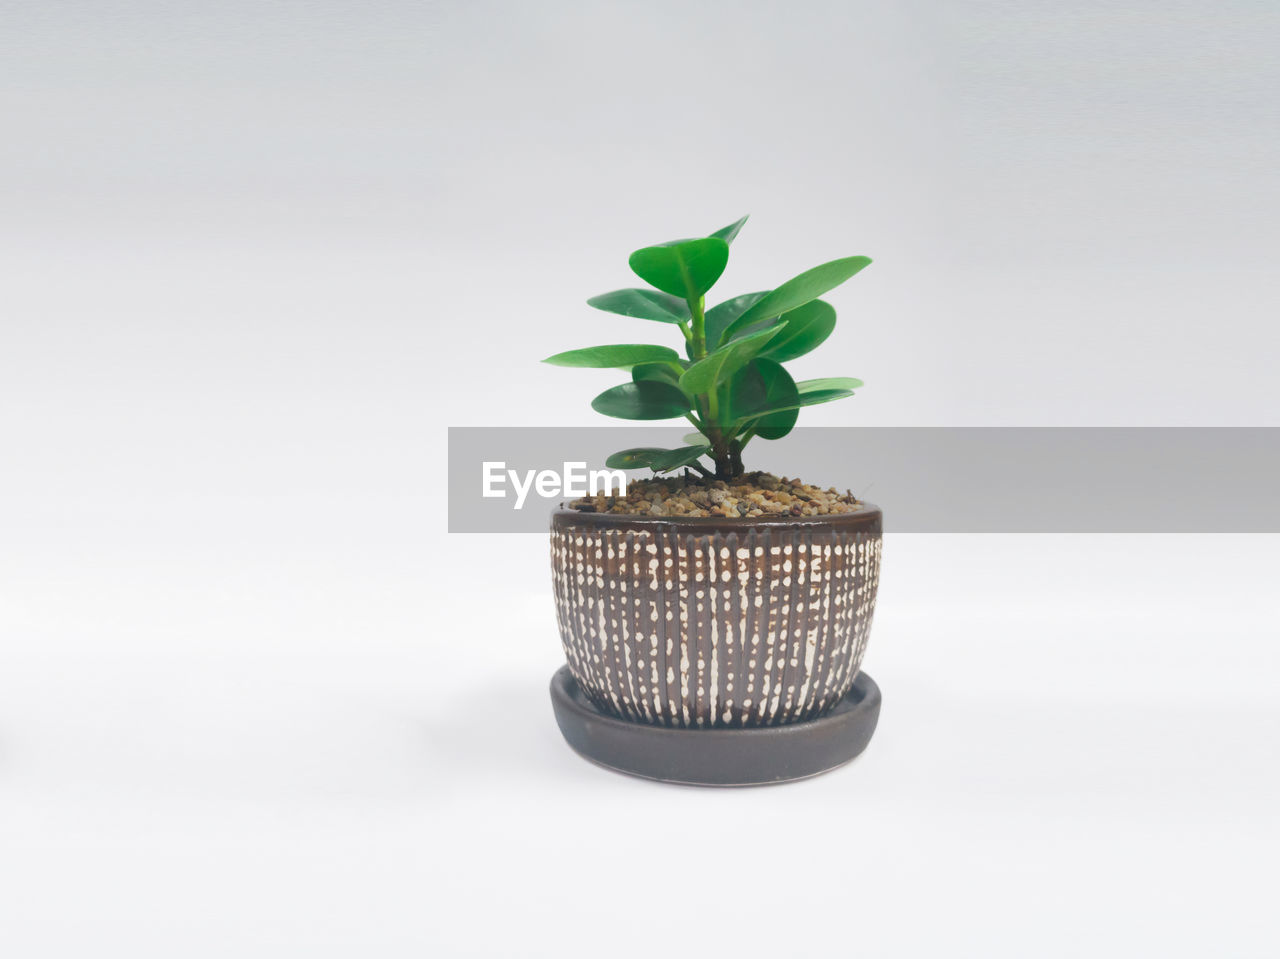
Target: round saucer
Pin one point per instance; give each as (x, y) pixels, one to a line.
(751, 756)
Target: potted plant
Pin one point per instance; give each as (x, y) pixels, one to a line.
(714, 620)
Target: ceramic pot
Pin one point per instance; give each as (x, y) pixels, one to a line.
(707, 622)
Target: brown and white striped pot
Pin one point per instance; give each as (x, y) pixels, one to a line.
(684, 621)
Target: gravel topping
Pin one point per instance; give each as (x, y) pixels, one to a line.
(752, 494)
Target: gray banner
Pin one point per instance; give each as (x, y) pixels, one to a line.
(927, 479)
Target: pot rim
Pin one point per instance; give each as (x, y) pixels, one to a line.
(868, 516)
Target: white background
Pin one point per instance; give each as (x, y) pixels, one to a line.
(254, 700)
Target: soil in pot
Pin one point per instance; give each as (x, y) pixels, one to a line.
(749, 495)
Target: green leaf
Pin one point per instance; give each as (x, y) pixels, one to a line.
(727, 233)
(657, 459)
(802, 329)
(800, 290)
(622, 355)
(674, 459)
(645, 304)
(829, 383)
(814, 397)
(745, 392)
(696, 439)
(765, 385)
(662, 372)
(646, 400)
(805, 399)
(684, 268)
(813, 392)
(719, 317)
(719, 365)
(634, 458)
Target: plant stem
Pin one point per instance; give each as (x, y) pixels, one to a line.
(723, 450)
(724, 458)
(735, 457)
(699, 328)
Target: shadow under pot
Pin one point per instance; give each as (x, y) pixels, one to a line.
(698, 622)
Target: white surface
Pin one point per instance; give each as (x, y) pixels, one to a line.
(339, 749)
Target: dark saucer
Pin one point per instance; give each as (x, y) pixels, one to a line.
(753, 756)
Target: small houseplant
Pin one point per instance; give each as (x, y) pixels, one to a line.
(747, 620)
(732, 387)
